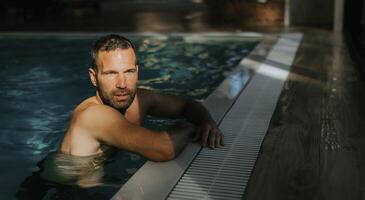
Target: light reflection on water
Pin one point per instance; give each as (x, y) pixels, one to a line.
(42, 80)
(237, 82)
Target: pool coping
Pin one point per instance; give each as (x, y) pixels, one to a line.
(156, 180)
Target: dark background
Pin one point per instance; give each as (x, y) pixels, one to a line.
(182, 16)
(354, 28)
(138, 15)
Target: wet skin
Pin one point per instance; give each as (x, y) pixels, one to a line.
(115, 114)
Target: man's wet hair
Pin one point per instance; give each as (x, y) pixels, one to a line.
(108, 43)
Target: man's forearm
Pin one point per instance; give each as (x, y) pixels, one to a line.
(207, 130)
(180, 135)
(166, 145)
(195, 112)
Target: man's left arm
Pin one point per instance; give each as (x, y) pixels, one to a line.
(208, 132)
(171, 106)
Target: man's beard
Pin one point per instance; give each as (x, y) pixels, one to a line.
(121, 106)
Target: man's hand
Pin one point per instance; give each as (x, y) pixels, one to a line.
(209, 135)
(206, 129)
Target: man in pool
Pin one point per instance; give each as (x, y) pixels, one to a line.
(113, 117)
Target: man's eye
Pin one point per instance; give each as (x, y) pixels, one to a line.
(131, 71)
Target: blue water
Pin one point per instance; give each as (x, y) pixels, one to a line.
(42, 79)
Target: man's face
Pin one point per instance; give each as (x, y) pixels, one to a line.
(116, 78)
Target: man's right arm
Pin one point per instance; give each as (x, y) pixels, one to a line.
(107, 125)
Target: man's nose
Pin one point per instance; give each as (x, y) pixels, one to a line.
(121, 81)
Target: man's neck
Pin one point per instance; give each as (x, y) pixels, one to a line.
(100, 101)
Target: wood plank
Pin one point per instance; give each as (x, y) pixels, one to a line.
(315, 146)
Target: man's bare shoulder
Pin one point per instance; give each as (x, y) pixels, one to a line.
(91, 101)
(92, 114)
(99, 114)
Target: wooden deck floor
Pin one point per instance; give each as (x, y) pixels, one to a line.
(315, 146)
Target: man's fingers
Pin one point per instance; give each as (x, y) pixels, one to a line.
(218, 140)
(222, 139)
(212, 138)
(204, 136)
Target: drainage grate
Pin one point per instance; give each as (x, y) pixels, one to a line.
(223, 173)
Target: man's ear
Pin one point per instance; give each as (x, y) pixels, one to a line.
(92, 75)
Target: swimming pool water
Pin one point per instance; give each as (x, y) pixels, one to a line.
(42, 79)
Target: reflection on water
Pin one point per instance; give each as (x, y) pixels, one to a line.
(63, 172)
(237, 82)
(63, 176)
(83, 171)
(197, 72)
(45, 78)
(234, 83)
